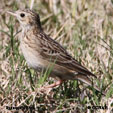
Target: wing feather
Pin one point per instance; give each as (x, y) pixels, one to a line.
(54, 52)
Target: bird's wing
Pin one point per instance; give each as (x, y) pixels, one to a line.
(54, 52)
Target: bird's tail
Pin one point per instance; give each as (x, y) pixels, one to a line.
(87, 81)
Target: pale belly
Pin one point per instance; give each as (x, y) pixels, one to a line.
(32, 58)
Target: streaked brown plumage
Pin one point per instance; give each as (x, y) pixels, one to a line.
(41, 51)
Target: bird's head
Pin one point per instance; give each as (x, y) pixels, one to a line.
(26, 17)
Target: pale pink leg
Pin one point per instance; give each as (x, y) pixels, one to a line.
(55, 84)
(48, 88)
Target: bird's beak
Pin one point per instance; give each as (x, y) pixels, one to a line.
(12, 13)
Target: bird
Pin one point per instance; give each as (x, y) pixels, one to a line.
(42, 52)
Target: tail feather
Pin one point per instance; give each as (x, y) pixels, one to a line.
(87, 81)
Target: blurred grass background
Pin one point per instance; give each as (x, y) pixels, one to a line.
(85, 29)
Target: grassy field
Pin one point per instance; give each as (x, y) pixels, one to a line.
(85, 29)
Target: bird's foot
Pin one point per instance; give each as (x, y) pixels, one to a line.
(47, 89)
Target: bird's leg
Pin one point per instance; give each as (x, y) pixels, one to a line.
(55, 84)
(48, 88)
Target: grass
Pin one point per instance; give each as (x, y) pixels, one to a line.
(84, 28)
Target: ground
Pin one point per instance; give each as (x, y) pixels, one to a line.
(85, 29)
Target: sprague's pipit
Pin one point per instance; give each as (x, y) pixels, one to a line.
(41, 51)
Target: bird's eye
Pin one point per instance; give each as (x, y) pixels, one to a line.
(22, 15)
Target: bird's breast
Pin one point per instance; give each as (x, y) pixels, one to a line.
(31, 55)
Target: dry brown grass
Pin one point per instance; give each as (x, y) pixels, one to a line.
(85, 28)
